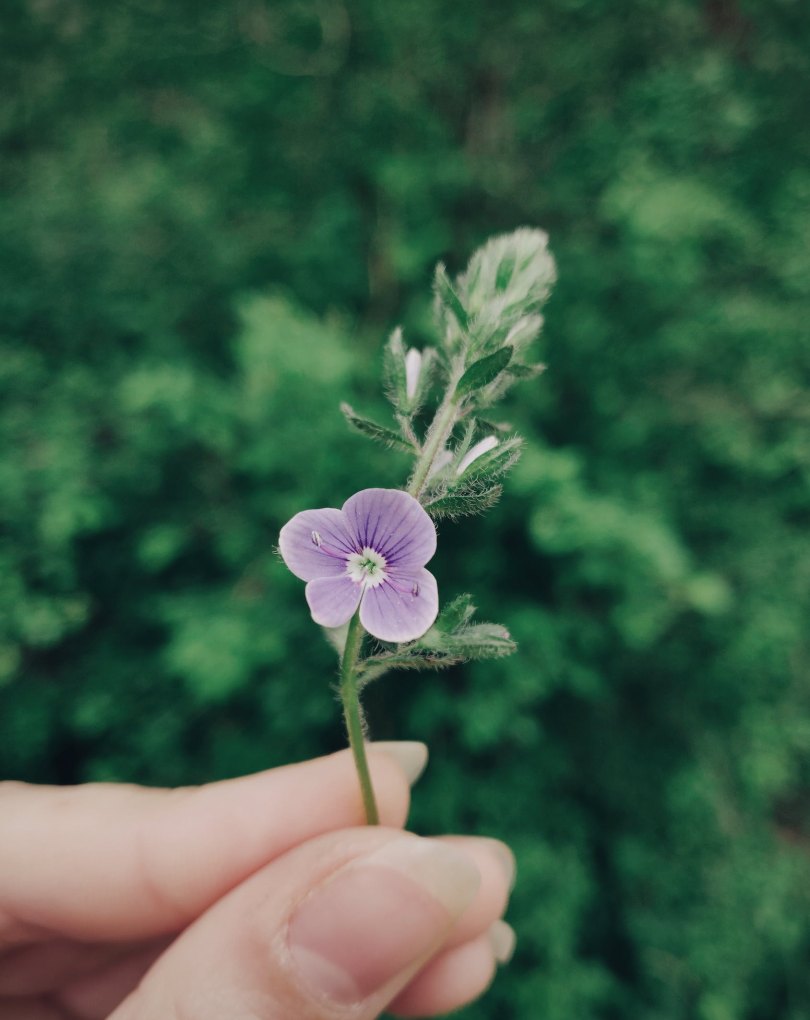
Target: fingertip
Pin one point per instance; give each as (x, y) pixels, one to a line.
(391, 773)
(451, 980)
(495, 862)
(410, 755)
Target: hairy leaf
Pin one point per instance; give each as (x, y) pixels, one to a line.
(464, 504)
(455, 613)
(374, 431)
(484, 371)
(449, 298)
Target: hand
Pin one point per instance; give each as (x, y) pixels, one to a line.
(262, 898)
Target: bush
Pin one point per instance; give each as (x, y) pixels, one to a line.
(212, 215)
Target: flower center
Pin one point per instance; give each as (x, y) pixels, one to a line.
(366, 567)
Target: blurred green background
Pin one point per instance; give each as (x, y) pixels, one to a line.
(211, 214)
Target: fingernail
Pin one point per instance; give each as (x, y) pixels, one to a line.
(507, 861)
(410, 755)
(502, 938)
(379, 917)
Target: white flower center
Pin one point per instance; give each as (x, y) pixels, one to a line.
(367, 567)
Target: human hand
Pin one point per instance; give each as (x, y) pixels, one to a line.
(261, 898)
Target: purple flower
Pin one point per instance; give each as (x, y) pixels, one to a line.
(371, 553)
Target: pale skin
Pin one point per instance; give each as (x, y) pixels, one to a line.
(141, 904)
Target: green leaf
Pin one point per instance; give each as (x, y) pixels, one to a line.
(449, 298)
(506, 268)
(526, 371)
(481, 641)
(394, 369)
(455, 614)
(374, 431)
(487, 425)
(478, 641)
(496, 462)
(464, 504)
(484, 371)
(414, 657)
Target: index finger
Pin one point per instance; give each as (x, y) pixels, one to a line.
(125, 862)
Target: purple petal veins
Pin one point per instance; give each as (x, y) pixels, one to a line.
(333, 600)
(309, 559)
(393, 523)
(372, 554)
(396, 613)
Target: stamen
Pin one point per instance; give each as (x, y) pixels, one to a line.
(402, 589)
(367, 568)
(317, 541)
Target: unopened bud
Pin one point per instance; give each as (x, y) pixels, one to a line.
(413, 369)
(480, 448)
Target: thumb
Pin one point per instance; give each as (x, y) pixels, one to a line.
(336, 927)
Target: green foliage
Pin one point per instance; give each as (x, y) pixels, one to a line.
(369, 428)
(646, 750)
(484, 371)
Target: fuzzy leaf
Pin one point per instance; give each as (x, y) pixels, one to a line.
(374, 431)
(415, 657)
(394, 369)
(503, 274)
(496, 462)
(493, 426)
(465, 504)
(484, 371)
(449, 298)
(478, 641)
(455, 614)
(525, 371)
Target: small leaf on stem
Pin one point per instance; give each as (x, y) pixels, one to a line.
(464, 504)
(374, 431)
(484, 371)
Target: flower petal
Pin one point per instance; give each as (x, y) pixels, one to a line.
(333, 600)
(303, 556)
(395, 613)
(393, 523)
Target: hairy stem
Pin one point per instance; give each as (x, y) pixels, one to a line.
(438, 434)
(353, 715)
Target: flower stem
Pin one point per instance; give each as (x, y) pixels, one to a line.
(353, 715)
(438, 434)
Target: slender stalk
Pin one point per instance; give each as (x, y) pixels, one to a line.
(438, 434)
(353, 715)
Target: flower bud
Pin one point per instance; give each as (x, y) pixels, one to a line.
(480, 448)
(413, 369)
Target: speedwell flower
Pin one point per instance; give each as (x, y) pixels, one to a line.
(372, 554)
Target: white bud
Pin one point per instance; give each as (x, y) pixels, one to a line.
(480, 448)
(443, 458)
(413, 368)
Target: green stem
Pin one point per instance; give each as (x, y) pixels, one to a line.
(353, 715)
(438, 434)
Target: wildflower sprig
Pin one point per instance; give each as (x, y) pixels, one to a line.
(365, 564)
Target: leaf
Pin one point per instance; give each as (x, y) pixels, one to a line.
(495, 462)
(394, 369)
(480, 641)
(417, 658)
(487, 425)
(465, 504)
(525, 371)
(506, 268)
(374, 431)
(477, 641)
(484, 371)
(455, 614)
(449, 298)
